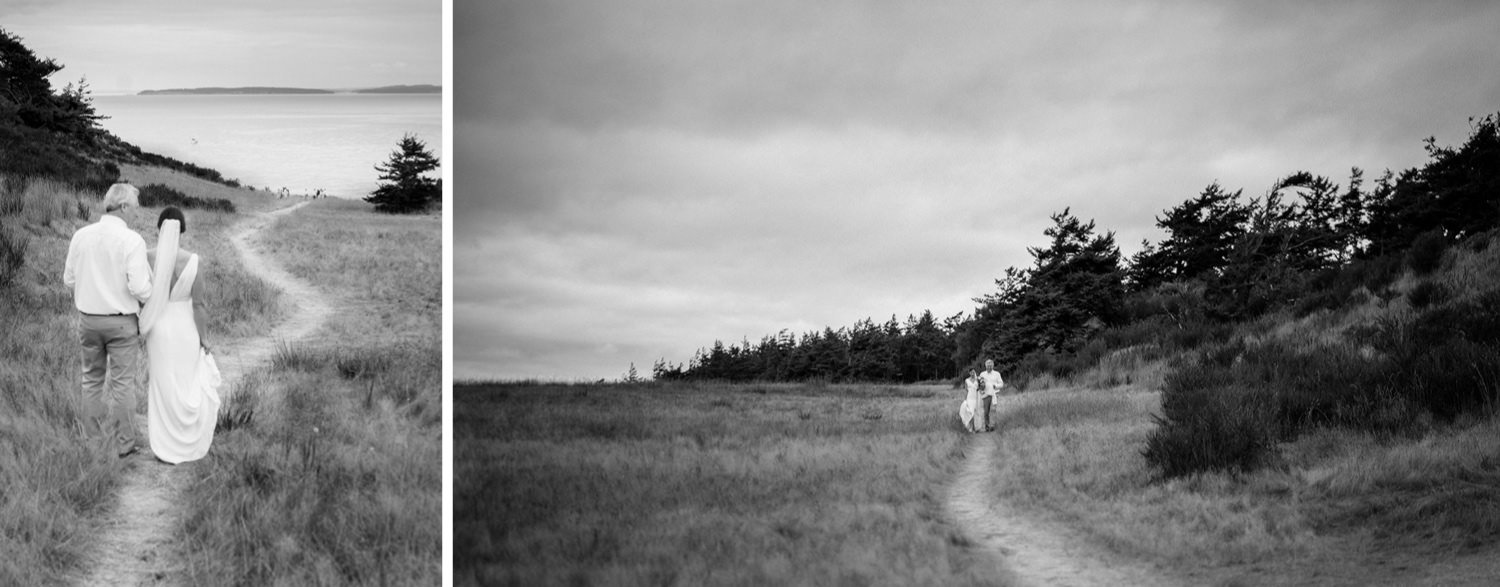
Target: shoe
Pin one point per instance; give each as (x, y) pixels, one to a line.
(129, 450)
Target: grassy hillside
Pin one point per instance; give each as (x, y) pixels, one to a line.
(1354, 445)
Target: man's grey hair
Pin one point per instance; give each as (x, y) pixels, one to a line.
(121, 195)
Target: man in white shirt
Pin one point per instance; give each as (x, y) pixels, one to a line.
(110, 278)
(990, 383)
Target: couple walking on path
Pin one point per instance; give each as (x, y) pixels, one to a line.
(122, 300)
(982, 388)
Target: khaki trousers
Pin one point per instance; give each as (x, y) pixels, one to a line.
(111, 375)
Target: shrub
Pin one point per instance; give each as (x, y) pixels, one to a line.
(1455, 378)
(1479, 242)
(1226, 410)
(1207, 425)
(1209, 422)
(32, 153)
(157, 195)
(1447, 359)
(1319, 300)
(1426, 294)
(1193, 335)
(1476, 319)
(1426, 252)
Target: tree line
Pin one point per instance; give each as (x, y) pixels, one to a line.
(919, 349)
(1306, 244)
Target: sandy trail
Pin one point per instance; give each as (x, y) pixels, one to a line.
(1037, 552)
(135, 547)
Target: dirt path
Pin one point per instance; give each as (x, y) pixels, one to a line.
(1034, 551)
(136, 545)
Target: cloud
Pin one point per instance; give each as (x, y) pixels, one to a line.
(181, 43)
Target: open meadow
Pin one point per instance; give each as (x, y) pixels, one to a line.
(845, 484)
(705, 484)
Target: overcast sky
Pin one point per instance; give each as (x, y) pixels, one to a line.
(159, 44)
(635, 180)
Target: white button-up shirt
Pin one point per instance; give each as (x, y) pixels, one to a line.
(992, 382)
(107, 268)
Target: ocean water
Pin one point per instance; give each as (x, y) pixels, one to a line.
(300, 142)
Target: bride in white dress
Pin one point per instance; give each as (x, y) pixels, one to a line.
(971, 402)
(182, 397)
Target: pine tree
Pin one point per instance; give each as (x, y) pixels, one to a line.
(406, 189)
(27, 98)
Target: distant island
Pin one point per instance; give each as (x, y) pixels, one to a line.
(249, 90)
(417, 89)
(414, 89)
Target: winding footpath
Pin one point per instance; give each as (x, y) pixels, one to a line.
(1036, 552)
(136, 544)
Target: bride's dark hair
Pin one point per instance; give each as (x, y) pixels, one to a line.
(172, 213)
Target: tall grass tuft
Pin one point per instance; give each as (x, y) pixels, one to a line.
(48, 202)
(43, 203)
(239, 405)
(12, 255)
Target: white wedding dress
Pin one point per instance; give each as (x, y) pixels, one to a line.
(969, 406)
(183, 396)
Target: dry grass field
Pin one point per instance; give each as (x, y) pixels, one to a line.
(803, 484)
(327, 468)
(700, 484)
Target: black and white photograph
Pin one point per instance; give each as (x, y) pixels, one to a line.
(975, 293)
(221, 292)
(728, 292)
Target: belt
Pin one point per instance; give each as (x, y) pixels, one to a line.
(104, 315)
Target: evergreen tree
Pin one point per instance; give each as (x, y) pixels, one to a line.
(1201, 232)
(1456, 194)
(1076, 283)
(24, 88)
(26, 95)
(407, 189)
(1076, 280)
